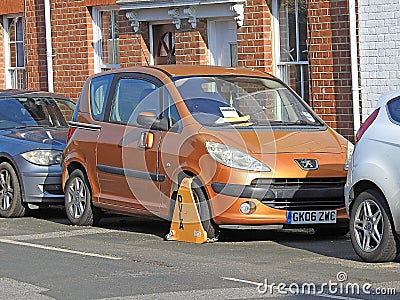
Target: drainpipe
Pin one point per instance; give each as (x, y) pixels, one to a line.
(354, 65)
(49, 49)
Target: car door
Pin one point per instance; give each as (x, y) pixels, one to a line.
(127, 167)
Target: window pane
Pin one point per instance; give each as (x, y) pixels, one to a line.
(293, 30)
(11, 29)
(20, 30)
(302, 17)
(133, 96)
(110, 37)
(394, 110)
(264, 101)
(287, 27)
(99, 89)
(296, 76)
(20, 54)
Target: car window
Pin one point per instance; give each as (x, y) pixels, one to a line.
(34, 111)
(225, 100)
(394, 110)
(171, 112)
(133, 96)
(99, 89)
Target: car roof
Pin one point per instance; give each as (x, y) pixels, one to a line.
(27, 93)
(196, 70)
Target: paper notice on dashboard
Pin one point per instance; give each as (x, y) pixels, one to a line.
(229, 112)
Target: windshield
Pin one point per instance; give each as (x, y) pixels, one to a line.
(244, 101)
(17, 112)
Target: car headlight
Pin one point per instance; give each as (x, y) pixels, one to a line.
(349, 154)
(43, 157)
(235, 158)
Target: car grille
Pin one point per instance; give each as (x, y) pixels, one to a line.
(305, 193)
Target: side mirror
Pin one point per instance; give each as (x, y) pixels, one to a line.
(149, 120)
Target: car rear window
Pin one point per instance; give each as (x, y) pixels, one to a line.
(394, 110)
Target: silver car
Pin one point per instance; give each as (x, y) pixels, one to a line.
(372, 190)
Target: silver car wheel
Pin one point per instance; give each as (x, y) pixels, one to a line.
(368, 225)
(6, 189)
(77, 198)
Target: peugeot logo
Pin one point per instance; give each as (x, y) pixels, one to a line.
(307, 164)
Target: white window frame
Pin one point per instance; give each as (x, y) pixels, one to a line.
(99, 66)
(11, 78)
(281, 68)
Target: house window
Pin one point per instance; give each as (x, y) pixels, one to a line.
(106, 39)
(291, 44)
(14, 52)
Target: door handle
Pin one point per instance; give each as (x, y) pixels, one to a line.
(146, 140)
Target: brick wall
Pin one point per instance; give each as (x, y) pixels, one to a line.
(379, 40)
(255, 37)
(35, 46)
(191, 45)
(72, 46)
(134, 47)
(11, 7)
(330, 68)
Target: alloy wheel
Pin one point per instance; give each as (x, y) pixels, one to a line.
(77, 197)
(368, 225)
(6, 189)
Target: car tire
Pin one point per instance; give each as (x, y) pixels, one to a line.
(78, 200)
(10, 193)
(371, 230)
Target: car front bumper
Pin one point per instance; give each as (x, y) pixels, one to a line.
(271, 203)
(40, 184)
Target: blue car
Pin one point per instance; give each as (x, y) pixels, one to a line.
(33, 132)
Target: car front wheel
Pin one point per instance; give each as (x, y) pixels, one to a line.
(370, 228)
(78, 200)
(10, 193)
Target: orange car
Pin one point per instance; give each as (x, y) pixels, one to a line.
(258, 155)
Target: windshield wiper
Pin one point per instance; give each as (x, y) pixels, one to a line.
(298, 122)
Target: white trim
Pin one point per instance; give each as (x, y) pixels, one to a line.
(175, 12)
(354, 66)
(212, 40)
(151, 44)
(9, 71)
(279, 66)
(140, 4)
(276, 38)
(96, 38)
(49, 47)
(7, 75)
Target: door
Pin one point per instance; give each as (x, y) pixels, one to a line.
(222, 40)
(128, 172)
(164, 44)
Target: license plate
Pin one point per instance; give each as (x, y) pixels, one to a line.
(311, 217)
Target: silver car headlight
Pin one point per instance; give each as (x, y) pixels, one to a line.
(349, 154)
(234, 158)
(43, 157)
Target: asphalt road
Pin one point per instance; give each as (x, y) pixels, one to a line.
(43, 257)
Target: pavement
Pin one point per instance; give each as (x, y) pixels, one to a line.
(43, 257)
